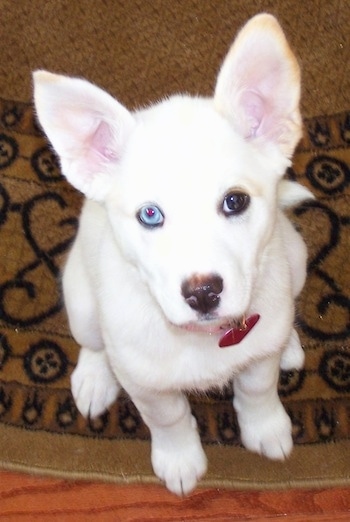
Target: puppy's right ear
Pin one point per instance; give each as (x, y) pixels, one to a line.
(86, 126)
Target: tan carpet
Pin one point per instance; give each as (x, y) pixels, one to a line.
(141, 50)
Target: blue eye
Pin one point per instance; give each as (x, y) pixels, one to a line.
(150, 216)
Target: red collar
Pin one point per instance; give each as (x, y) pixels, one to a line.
(237, 334)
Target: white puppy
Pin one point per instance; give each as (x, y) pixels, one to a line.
(184, 270)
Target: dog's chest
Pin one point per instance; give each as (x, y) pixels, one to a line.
(161, 360)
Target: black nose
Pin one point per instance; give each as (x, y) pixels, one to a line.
(201, 292)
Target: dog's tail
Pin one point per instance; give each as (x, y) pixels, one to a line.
(291, 193)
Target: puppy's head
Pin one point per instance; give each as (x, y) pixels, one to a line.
(190, 184)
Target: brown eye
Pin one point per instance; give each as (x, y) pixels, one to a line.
(235, 203)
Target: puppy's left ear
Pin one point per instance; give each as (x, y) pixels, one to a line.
(258, 87)
(87, 127)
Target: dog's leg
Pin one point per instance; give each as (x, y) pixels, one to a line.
(264, 424)
(178, 458)
(94, 386)
(293, 355)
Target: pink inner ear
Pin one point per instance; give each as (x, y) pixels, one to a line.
(254, 109)
(103, 142)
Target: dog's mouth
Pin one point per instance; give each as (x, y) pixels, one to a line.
(231, 331)
(213, 326)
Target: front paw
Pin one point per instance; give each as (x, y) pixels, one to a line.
(180, 466)
(94, 386)
(270, 436)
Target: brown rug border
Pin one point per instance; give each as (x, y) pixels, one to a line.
(310, 466)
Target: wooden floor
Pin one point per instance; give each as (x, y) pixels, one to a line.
(26, 498)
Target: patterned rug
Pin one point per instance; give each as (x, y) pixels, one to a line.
(40, 428)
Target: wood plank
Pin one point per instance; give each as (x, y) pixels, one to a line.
(28, 498)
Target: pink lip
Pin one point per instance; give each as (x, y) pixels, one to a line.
(215, 328)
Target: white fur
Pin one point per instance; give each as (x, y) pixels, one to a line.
(122, 281)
